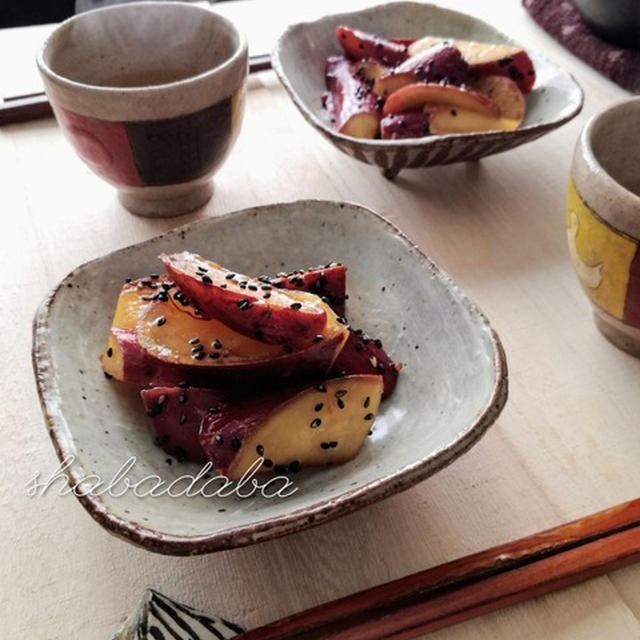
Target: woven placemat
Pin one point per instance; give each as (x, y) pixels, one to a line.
(562, 21)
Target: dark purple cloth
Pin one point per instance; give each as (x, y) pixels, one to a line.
(561, 19)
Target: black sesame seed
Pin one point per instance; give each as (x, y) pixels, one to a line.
(333, 444)
(296, 305)
(369, 416)
(381, 368)
(359, 346)
(324, 445)
(194, 340)
(183, 418)
(341, 320)
(367, 402)
(162, 398)
(183, 383)
(252, 287)
(169, 461)
(244, 304)
(197, 348)
(267, 463)
(198, 355)
(217, 344)
(259, 449)
(230, 276)
(340, 393)
(267, 295)
(378, 343)
(319, 406)
(182, 398)
(340, 402)
(318, 338)
(236, 443)
(294, 466)
(128, 280)
(315, 423)
(109, 352)
(214, 355)
(206, 280)
(108, 376)
(215, 409)
(160, 321)
(321, 388)
(219, 439)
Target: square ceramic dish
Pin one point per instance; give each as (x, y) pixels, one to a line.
(299, 60)
(451, 390)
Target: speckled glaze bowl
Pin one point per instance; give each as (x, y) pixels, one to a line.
(151, 96)
(603, 221)
(299, 60)
(452, 388)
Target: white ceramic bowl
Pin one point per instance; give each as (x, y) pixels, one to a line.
(299, 60)
(451, 390)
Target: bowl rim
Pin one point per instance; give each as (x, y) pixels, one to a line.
(298, 519)
(46, 70)
(430, 140)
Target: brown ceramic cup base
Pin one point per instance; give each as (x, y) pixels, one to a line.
(166, 201)
(622, 335)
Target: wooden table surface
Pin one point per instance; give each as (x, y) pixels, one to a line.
(567, 443)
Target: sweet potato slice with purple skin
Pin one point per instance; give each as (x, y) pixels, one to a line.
(245, 304)
(440, 63)
(364, 355)
(289, 429)
(488, 59)
(167, 330)
(177, 413)
(354, 109)
(329, 282)
(412, 124)
(359, 45)
(207, 345)
(417, 95)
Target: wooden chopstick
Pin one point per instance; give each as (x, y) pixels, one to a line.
(35, 105)
(473, 585)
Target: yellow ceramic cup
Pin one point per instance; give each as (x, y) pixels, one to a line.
(603, 221)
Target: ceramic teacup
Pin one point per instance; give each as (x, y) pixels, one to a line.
(151, 95)
(603, 220)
